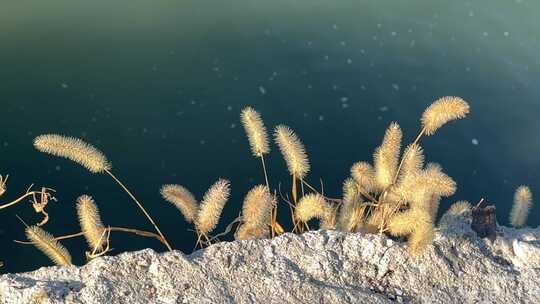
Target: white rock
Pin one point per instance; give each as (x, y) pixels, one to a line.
(316, 267)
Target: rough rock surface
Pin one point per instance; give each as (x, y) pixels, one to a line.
(316, 267)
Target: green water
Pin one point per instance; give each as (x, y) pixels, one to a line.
(158, 86)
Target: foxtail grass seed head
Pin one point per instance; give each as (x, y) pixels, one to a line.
(329, 220)
(350, 190)
(438, 182)
(521, 207)
(421, 238)
(256, 131)
(3, 184)
(182, 199)
(90, 222)
(443, 110)
(350, 203)
(46, 243)
(364, 175)
(413, 162)
(246, 232)
(459, 207)
(211, 206)
(386, 157)
(73, 149)
(257, 207)
(312, 206)
(434, 203)
(292, 150)
(405, 223)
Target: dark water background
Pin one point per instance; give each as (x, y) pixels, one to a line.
(158, 86)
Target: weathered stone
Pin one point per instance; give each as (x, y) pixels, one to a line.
(484, 221)
(316, 267)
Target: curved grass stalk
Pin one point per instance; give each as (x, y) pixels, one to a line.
(140, 207)
(111, 229)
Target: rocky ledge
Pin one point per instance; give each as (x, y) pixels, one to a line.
(316, 267)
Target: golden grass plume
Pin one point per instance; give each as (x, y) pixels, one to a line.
(293, 151)
(443, 110)
(440, 183)
(413, 162)
(256, 131)
(386, 156)
(349, 217)
(417, 225)
(212, 205)
(74, 149)
(89, 157)
(182, 199)
(312, 206)
(90, 222)
(459, 207)
(46, 243)
(246, 232)
(364, 175)
(521, 207)
(257, 207)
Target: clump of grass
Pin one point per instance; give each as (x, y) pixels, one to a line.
(521, 207)
(401, 194)
(89, 157)
(46, 243)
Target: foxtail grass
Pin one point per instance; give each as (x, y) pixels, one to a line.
(89, 157)
(442, 111)
(459, 207)
(90, 222)
(260, 146)
(315, 206)
(257, 208)
(386, 157)
(211, 206)
(521, 207)
(182, 199)
(46, 243)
